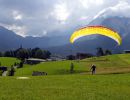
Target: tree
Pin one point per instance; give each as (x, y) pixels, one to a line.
(39, 54)
(7, 54)
(33, 51)
(108, 52)
(1, 54)
(100, 51)
(29, 52)
(11, 72)
(46, 54)
(22, 54)
(21, 64)
(71, 57)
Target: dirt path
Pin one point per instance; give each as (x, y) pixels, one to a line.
(4, 73)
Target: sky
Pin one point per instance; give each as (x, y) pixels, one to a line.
(56, 17)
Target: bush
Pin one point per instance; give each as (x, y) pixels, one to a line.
(1, 72)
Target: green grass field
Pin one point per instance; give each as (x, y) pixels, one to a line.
(67, 87)
(105, 65)
(111, 82)
(7, 61)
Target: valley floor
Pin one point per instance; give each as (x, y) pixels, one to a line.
(66, 87)
(111, 82)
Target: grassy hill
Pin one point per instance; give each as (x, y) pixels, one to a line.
(110, 83)
(105, 65)
(8, 61)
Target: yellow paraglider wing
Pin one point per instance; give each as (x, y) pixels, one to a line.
(101, 30)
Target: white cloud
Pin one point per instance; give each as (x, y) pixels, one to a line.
(83, 17)
(60, 12)
(89, 3)
(20, 30)
(17, 15)
(56, 16)
(120, 9)
(44, 33)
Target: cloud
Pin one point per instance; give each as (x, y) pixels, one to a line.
(120, 9)
(55, 17)
(89, 3)
(17, 15)
(20, 30)
(60, 12)
(83, 17)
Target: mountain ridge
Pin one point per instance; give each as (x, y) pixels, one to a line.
(60, 45)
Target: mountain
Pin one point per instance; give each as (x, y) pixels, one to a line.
(89, 44)
(120, 25)
(60, 44)
(10, 40)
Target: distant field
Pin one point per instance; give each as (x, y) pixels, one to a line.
(8, 61)
(114, 64)
(67, 87)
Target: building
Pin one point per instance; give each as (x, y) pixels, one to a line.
(3, 68)
(56, 58)
(33, 61)
(126, 51)
(83, 55)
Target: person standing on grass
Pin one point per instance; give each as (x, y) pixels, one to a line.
(71, 68)
(93, 69)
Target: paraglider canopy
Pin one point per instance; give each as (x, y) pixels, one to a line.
(91, 30)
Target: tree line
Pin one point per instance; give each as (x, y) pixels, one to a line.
(23, 53)
(99, 52)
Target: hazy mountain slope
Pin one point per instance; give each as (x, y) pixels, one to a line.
(61, 45)
(10, 40)
(89, 44)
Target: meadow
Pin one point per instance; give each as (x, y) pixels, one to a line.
(111, 82)
(67, 87)
(114, 64)
(8, 61)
